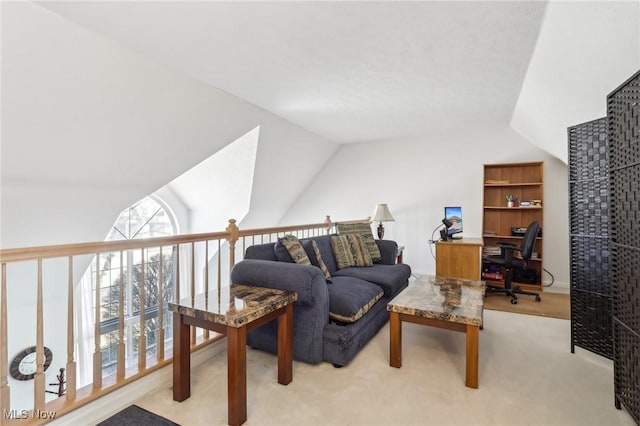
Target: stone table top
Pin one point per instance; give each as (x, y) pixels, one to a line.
(234, 306)
(442, 298)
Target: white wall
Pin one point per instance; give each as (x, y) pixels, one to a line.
(584, 51)
(89, 127)
(417, 178)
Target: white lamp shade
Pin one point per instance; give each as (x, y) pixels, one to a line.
(382, 214)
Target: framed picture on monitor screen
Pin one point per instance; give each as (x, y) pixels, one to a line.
(454, 214)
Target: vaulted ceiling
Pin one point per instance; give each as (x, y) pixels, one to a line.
(361, 71)
(349, 71)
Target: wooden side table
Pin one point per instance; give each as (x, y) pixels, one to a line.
(241, 309)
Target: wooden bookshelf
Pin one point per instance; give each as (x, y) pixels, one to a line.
(523, 182)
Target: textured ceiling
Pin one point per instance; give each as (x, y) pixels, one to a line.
(349, 71)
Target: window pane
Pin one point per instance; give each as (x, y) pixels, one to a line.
(144, 219)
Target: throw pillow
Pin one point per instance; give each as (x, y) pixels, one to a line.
(313, 252)
(295, 249)
(349, 250)
(281, 252)
(363, 229)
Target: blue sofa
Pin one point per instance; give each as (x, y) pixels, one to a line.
(317, 335)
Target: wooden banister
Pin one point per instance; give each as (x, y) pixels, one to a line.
(71, 364)
(97, 353)
(39, 379)
(142, 340)
(180, 246)
(160, 351)
(61, 250)
(120, 366)
(231, 234)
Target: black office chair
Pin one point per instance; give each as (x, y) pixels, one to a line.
(509, 262)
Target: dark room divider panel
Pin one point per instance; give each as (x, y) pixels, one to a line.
(589, 238)
(623, 113)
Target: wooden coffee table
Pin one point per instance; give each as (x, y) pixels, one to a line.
(236, 311)
(449, 303)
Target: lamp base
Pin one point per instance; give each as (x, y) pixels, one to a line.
(380, 231)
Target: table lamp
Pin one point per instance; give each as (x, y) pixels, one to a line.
(382, 214)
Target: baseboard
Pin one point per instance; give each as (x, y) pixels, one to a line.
(557, 287)
(110, 404)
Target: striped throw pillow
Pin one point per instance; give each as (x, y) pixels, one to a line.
(350, 250)
(364, 230)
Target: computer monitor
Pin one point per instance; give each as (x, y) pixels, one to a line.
(454, 214)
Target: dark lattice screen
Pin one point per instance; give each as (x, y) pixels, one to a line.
(589, 237)
(623, 113)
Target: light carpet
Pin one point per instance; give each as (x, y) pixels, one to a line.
(527, 374)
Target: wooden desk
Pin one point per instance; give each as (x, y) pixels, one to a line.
(238, 310)
(459, 258)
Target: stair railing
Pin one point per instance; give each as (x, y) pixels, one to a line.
(201, 254)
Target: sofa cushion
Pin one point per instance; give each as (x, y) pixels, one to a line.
(263, 252)
(363, 229)
(388, 251)
(349, 250)
(391, 278)
(350, 298)
(295, 249)
(313, 252)
(324, 245)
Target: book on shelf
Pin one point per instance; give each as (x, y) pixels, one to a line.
(496, 181)
(493, 275)
(491, 250)
(489, 234)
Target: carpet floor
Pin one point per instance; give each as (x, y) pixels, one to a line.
(527, 375)
(552, 305)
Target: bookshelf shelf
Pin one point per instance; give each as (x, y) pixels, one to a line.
(524, 183)
(513, 208)
(488, 184)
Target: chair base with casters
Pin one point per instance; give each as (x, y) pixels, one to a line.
(510, 290)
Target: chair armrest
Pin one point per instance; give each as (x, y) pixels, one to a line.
(306, 280)
(507, 250)
(388, 251)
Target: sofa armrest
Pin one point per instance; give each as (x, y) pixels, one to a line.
(388, 251)
(310, 311)
(306, 280)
